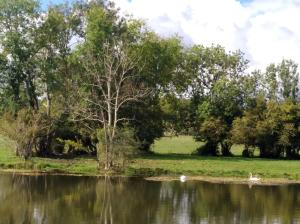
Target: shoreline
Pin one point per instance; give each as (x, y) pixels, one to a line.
(165, 178)
(228, 180)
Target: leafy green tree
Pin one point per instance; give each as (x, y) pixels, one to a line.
(214, 83)
(54, 36)
(212, 131)
(289, 76)
(289, 134)
(146, 117)
(176, 114)
(272, 84)
(206, 65)
(160, 74)
(282, 80)
(103, 24)
(243, 132)
(18, 24)
(271, 126)
(226, 103)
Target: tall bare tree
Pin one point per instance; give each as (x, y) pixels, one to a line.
(109, 85)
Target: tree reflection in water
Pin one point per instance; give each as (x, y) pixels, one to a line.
(229, 203)
(66, 199)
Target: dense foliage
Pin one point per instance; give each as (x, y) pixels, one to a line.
(74, 71)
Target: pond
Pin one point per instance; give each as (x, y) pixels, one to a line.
(70, 199)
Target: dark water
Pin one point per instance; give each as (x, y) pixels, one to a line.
(65, 199)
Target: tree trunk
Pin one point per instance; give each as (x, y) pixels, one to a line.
(225, 148)
(109, 154)
(48, 98)
(31, 95)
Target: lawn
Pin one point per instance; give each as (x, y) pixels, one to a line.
(172, 156)
(7, 156)
(175, 145)
(216, 166)
(185, 145)
(8, 160)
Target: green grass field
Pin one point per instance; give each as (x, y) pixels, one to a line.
(185, 145)
(218, 166)
(8, 160)
(175, 145)
(172, 156)
(7, 156)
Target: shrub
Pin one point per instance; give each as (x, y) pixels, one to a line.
(124, 148)
(24, 128)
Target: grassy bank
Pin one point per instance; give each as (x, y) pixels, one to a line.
(9, 161)
(216, 167)
(172, 157)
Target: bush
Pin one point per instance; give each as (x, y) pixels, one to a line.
(72, 146)
(212, 131)
(124, 147)
(25, 128)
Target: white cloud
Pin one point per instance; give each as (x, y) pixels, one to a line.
(266, 31)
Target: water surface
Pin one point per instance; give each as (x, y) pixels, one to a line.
(69, 199)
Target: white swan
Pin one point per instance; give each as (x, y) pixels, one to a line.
(182, 178)
(253, 178)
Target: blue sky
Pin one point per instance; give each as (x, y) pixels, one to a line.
(245, 2)
(45, 3)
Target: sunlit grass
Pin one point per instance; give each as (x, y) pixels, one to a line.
(176, 145)
(7, 153)
(8, 160)
(185, 145)
(172, 157)
(219, 166)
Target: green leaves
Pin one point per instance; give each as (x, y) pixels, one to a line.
(206, 65)
(273, 128)
(282, 80)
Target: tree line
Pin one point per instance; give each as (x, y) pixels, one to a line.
(81, 78)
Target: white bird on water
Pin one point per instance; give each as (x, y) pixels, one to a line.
(253, 178)
(182, 178)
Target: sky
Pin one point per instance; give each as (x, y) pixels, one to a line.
(46, 3)
(265, 30)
